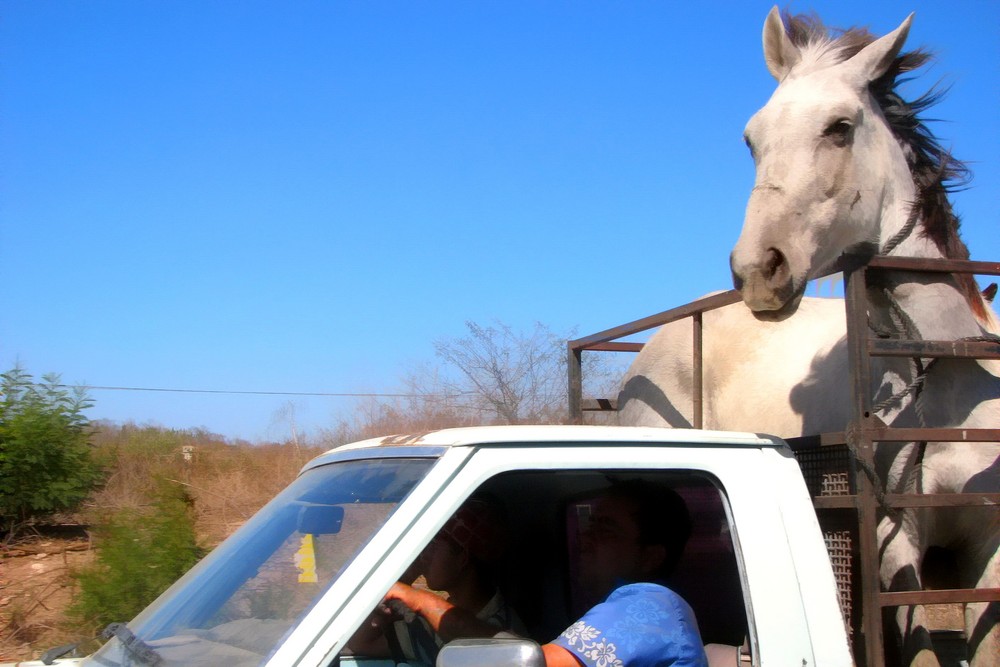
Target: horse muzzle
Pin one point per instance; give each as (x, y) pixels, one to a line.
(766, 285)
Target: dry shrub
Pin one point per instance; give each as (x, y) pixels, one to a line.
(228, 482)
(133, 458)
(139, 555)
(376, 418)
(19, 624)
(36, 589)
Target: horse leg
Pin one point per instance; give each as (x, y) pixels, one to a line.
(900, 571)
(982, 619)
(979, 560)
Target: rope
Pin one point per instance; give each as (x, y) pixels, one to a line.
(905, 231)
(867, 468)
(915, 385)
(903, 323)
(923, 371)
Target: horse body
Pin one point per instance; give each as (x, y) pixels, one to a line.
(744, 388)
(842, 164)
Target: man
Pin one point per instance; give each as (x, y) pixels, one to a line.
(459, 561)
(635, 538)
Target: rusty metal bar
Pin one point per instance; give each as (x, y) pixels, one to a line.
(574, 373)
(707, 303)
(942, 349)
(835, 502)
(697, 388)
(816, 441)
(615, 347)
(947, 596)
(934, 265)
(861, 447)
(943, 500)
(901, 500)
(890, 434)
(893, 434)
(606, 341)
(600, 404)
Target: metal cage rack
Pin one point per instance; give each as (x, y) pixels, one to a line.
(845, 498)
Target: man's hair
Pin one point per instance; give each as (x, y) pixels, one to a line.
(479, 527)
(661, 515)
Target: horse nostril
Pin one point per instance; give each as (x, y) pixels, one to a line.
(775, 264)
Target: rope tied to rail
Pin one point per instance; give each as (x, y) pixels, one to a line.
(899, 325)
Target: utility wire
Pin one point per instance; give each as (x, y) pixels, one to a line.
(447, 398)
(255, 393)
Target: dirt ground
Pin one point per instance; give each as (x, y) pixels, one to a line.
(35, 590)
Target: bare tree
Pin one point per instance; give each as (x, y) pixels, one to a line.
(492, 375)
(515, 377)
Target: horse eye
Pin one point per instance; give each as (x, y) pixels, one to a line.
(840, 131)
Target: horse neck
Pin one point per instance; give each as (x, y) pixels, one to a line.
(931, 306)
(935, 307)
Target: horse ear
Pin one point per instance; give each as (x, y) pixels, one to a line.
(779, 52)
(872, 61)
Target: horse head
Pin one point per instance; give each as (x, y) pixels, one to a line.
(828, 168)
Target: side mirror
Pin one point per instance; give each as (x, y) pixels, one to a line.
(495, 652)
(320, 519)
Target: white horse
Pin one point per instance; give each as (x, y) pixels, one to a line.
(784, 377)
(744, 388)
(842, 162)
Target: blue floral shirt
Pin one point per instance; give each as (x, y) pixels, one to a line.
(637, 625)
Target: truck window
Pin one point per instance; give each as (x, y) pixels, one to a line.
(550, 509)
(240, 601)
(547, 510)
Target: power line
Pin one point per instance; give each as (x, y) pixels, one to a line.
(253, 393)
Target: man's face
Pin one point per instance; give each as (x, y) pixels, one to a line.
(442, 560)
(609, 547)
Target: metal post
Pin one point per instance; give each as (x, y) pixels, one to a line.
(697, 393)
(860, 445)
(574, 368)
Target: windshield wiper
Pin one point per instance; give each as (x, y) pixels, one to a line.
(138, 648)
(50, 656)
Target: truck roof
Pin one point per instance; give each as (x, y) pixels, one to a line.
(564, 434)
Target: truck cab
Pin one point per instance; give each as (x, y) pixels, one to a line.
(293, 585)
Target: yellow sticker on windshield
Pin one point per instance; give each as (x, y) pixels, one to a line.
(305, 560)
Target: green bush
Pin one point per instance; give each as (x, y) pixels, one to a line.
(45, 459)
(139, 554)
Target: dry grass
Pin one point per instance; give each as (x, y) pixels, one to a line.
(35, 589)
(229, 482)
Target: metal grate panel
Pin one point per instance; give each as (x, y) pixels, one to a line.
(840, 532)
(826, 470)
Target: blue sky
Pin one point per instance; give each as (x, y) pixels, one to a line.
(303, 196)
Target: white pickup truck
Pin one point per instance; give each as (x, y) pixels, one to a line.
(292, 585)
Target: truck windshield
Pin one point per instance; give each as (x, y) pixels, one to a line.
(237, 604)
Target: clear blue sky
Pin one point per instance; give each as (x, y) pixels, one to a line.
(303, 196)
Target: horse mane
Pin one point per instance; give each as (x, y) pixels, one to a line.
(936, 173)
